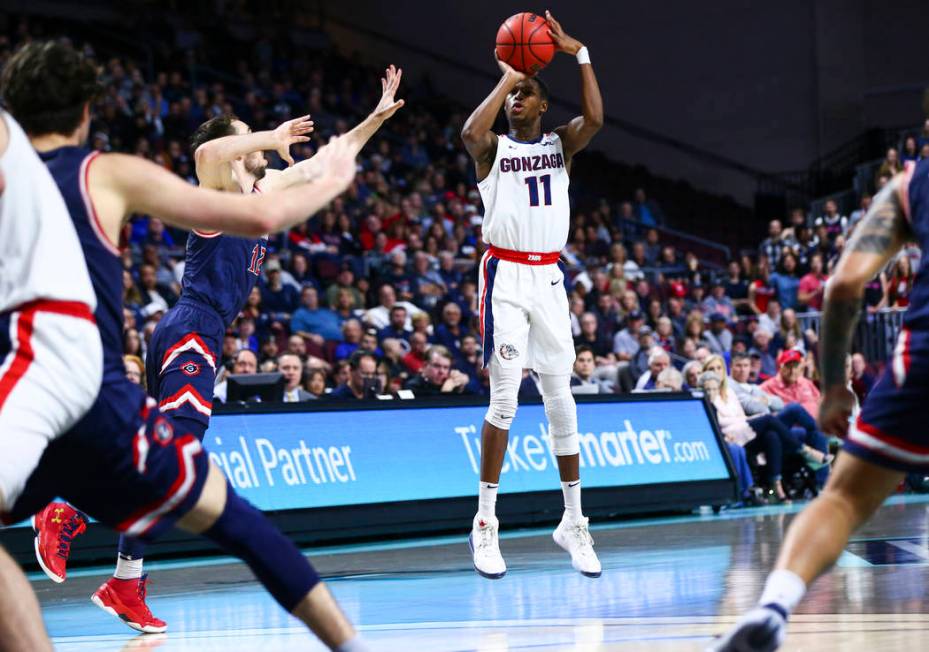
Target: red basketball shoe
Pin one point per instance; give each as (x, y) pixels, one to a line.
(125, 599)
(56, 527)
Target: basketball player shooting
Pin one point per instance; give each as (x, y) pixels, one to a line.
(523, 179)
(886, 441)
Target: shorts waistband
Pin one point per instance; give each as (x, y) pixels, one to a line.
(75, 309)
(525, 257)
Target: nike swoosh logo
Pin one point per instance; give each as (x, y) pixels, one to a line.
(574, 484)
(554, 283)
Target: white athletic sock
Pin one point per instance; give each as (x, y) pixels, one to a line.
(128, 569)
(783, 588)
(355, 644)
(572, 500)
(487, 499)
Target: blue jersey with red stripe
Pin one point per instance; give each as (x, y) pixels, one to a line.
(221, 270)
(69, 166)
(917, 315)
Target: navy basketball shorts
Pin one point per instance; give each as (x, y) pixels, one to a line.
(181, 364)
(125, 464)
(891, 429)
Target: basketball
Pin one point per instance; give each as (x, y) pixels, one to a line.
(523, 42)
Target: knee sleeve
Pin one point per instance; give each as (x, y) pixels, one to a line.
(504, 390)
(561, 411)
(246, 533)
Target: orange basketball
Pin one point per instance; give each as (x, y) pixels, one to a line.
(523, 42)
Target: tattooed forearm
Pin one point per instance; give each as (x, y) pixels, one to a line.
(883, 227)
(840, 317)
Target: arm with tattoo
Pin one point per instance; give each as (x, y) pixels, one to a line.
(878, 237)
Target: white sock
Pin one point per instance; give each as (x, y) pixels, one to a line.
(487, 499)
(355, 644)
(783, 588)
(128, 569)
(572, 500)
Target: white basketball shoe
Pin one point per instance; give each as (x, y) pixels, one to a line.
(760, 630)
(484, 542)
(576, 540)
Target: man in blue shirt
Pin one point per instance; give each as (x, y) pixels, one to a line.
(309, 319)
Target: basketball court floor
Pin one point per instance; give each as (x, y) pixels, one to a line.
(667, 584)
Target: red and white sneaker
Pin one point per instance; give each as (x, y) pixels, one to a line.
(56, 527)
(125, 599)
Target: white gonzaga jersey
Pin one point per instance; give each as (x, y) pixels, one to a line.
(40, 255)
(526, 205)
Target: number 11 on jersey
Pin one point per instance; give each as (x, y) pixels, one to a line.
(533, 182)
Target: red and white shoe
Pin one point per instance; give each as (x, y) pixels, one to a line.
(125, 599)
(55, 528)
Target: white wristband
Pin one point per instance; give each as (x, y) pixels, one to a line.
(583, 56)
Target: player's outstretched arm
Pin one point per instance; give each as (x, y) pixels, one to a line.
(477, 134)
(576, 134)
(213, 157)
(355, 139)
(121, 185)
(879, 236)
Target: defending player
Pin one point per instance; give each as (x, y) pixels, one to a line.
(124, 463)
(886, 440)
(523, 179)
(47, 331)
(219, 274)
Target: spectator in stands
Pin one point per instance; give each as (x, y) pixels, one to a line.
(836, 224)
(351, 338)
(910, 149)
(396, 328)
(759, 292)
(669, 380)
(761, 340)
(862, 380)
(398, 277)
(891, 164)
(646, 211)
(652, 248)
(900, 284)
(247, 339)
(789, 384)
(345, 282)
(789, 334)
(155, 299)
(626, 342)
(583, 380)
(718, 338)
(718, 302)
(639, 363)
(314, 322)
(658, 361)
(276, 298)
(369, 343)
(677, 314)
(416, 357)
(428, 286)
(132, 343)
(135, 369)
(291, 367)
(593, 338)
(735, 287)
(469, 362)
(437, 375)
(863, 205)
(246, 362)
(772, 247)
(754, 400)
(450, 331)
(664, 334)
(315, 383)
(812, 285)
(771, 319)
(362, 381)
(786, 281)
(691, 373)
(269, 349)
(296, 345)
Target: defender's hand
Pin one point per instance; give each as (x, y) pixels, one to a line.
(387, 106)
(835, 411)
(291, 132)
(563, 42)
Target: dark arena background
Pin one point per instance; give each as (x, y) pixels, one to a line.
(740, 148)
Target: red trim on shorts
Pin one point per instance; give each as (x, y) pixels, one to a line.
(75, 309)
(525, 257)
(112, 247)
(22, 358)
(890, 440)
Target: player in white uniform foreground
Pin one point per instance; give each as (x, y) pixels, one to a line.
(47, 304)
(523, 179)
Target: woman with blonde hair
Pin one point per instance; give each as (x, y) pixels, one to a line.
(763, 433)
(135, 369)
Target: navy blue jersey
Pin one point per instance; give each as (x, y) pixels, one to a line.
(221, 270)
(917, 316)
(69, 166)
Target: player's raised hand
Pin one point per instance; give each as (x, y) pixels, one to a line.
(337, 161)
(510, 71)
(291, 132)
(835, 411)
(389, 83)
(563, 42)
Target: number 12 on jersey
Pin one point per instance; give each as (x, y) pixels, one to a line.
(534, 182)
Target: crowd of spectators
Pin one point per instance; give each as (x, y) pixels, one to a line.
(378, 292)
